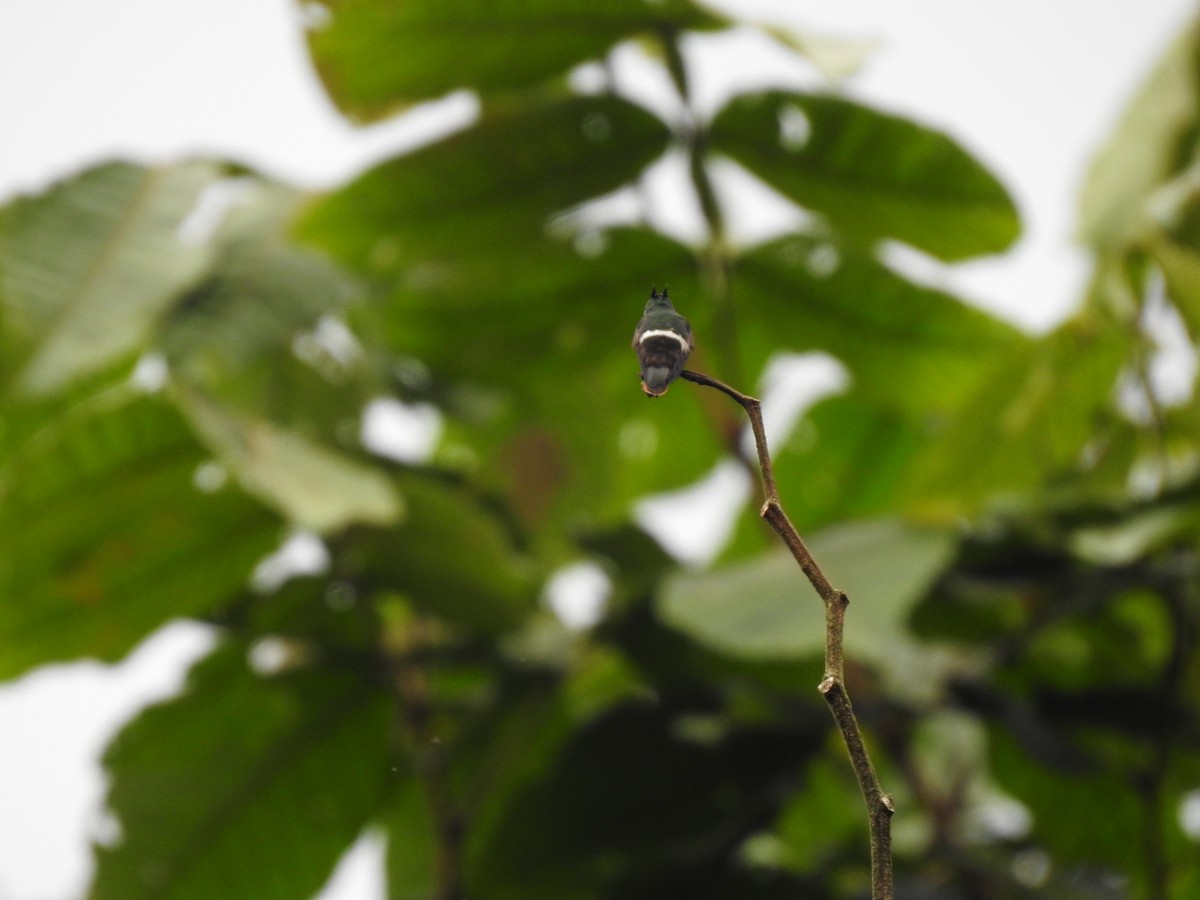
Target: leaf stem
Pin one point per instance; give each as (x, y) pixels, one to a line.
(832, 686)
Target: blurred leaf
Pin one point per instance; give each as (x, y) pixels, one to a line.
(313, 486)
(567, 318)
(873, 176)
(1135, 535)
(716, 879)
(848, 459)
(481, 286)
(453, 558)
(1028, 420)
(489, 189)
(307, 613)
(244, 786)
(757, 608)
(1060, 800)
(822, 819)
(835, 57)
(376, 58)
(259, 293)
(105, 533)
(264, 331)
(911, 347)
(412, 849)
(652, 797)
(559, 307)
(1122, 644)
(766, 608)
(1153, 140)
(1180, 267)
(634, 560)
(87, 269)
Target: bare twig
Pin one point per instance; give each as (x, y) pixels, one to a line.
(832, 686)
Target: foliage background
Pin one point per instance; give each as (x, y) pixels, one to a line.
(1045, 652)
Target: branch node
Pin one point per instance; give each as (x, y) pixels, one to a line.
(828, 683)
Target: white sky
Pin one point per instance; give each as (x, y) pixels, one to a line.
(1029, 86)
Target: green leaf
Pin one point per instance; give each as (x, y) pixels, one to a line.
(567, 317)
(822, 818)
(106, 536)
(461, 228)
(259, 291)
(245, 786)
(87, 269)
(1152, 142)
(908, 347)
(835, 57)
(1028, 420)
(765, 608)
(1060, 800)
(1180, 267)
(268, 373)
(651, 795)
(375, 58)
(873, 176)
(449, 555)
(847, 459)
(310, 484)
(559, 307)
(412, 848)
(489, 189)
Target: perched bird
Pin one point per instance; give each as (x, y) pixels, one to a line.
(663, 340)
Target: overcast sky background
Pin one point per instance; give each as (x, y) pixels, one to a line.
(1029, 86)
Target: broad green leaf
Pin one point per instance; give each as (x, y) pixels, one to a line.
(1060, 799)
(1180, 267)
(489, 189)
(412, 847)
(450, 556)
(259, 292)
(246, 785)
(1121, 641)
(765, 607)
(568, 318)
(461, 227)
(106, 536)
(651, 795)
(88, 268)
(1153, 140)
(375, 58)
(310, 484)
(307, 613)
(1136, 534)
(636, 560)
(872, 175)
(847, 459)
(558, 307)
(908, 347)
(264, 330)
(1028, 420)
(823, 817)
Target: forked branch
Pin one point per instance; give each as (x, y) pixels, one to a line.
(832, 686)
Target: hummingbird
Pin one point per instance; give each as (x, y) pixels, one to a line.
(663, 340)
